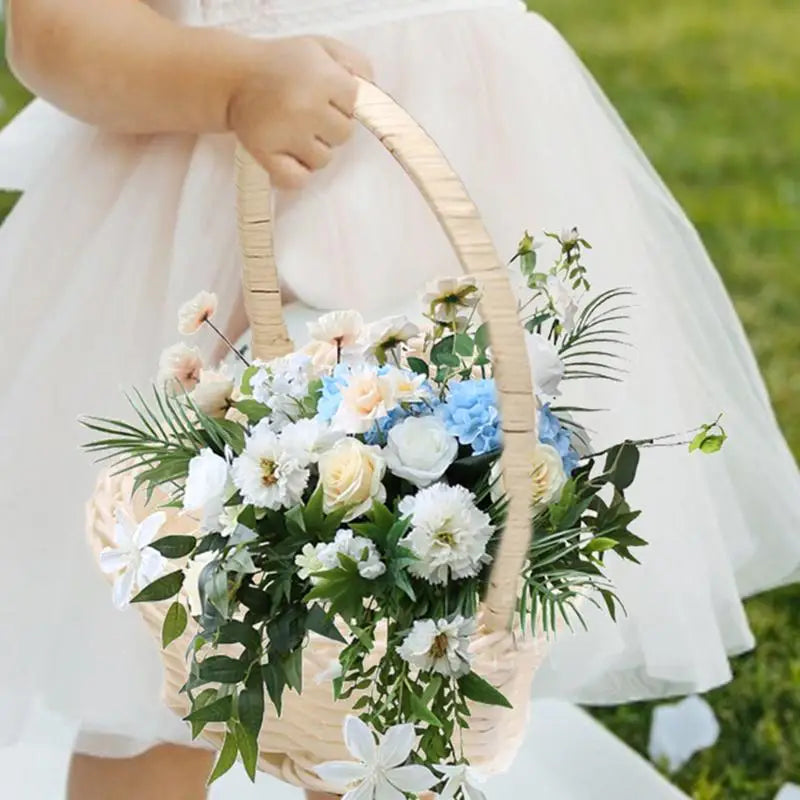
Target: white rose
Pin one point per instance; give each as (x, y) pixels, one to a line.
(548, 476)
(420, 450)
(351, 474)
(207, 486)
(546, 365)
(213, 393)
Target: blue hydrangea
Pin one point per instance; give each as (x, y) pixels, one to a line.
(471, 415)
(331, 396)
(552, 432)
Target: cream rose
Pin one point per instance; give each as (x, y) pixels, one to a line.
(548, 476)
(351, 474)
(366, 398)
(420, 450)
(213, 393)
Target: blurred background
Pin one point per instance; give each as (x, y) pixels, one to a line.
(711, 88)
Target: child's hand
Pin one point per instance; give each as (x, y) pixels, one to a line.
(296, 105)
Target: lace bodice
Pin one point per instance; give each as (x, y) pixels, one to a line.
(289, 17)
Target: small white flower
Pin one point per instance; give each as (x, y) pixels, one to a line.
(569, 237)
(266, 475)
(446, 297)
(440, 646)
(548, 476)
(207, 486)
(420, 450)
(351, 475)
(307, 439)
(449, 533)
(378, 772)
(136, 563)
(360, 549)
(563, 300)
(213, 393)
(342, 329)
(195, 312)
(389, 334)
(281, 385)
(463, 777)
(310, 562)
(546, 365)
(179, 368)
(401, 386)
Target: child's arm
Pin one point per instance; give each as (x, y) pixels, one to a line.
(120, 65)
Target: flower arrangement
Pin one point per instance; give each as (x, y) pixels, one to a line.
(351, 490)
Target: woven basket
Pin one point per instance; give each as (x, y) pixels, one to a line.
(309, 730)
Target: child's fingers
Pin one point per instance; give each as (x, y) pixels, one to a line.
(315, 154)
(350, 58)
(335, 127)
(286, 172)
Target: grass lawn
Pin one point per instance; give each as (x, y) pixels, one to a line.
(712, 90)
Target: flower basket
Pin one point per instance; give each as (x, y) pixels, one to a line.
(309, 730)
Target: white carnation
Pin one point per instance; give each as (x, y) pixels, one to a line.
(440, 646)
(266, 475)
(307, 439)
(449, 533)
(420, 450)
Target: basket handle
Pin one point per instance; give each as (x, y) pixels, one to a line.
(440, 186)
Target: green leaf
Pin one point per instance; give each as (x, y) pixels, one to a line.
(236, 632)
(442, 354)
(275, 682)
(175, 546)
(320, 622)
(698, 440)
(621, 464)
(248, 747)
(713, 444)
(254, 599)
(419, 366)
(218, 711)
(313, 514)
(464, 345)
(222, 669)
(251, 703)
(293, 670)
(420, 711)
(482, 337)
(162, 589)
(481, 691)
(174, 624)
(247, 377)
(226, 758)
(600, 544)
(252, 409)
(206, 697)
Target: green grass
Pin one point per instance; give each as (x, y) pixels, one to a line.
(712, 91)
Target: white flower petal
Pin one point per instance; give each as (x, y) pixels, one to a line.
(789, 791)
(123, 589)
(364, 791)
(473, 792)
(151, 566)
(112, 561)
(359, 740)
(148, 528)
(124, 531)
(413, 778)
(450, 789)
(385, 791)
(395, 747)
(679, 730)
(340, 774)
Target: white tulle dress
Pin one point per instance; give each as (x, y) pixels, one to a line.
(113, 233)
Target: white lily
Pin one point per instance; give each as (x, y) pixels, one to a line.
(379, 772)
(461, 776)
(136, 563)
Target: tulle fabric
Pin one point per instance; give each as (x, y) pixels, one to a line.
(114, 233)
